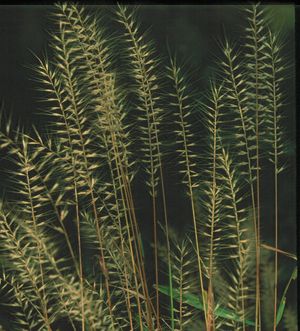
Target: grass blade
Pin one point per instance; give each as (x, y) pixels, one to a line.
(281, 307)
(195, 302)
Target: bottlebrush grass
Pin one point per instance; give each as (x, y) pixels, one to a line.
(72, 250)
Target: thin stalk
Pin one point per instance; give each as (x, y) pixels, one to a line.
(257, 131)
(163, 191)
(211, 253)
(88, 181)
(276, 247)
(91, 67)
(148, 104)
(60, 275)
(123, 183)
(121, 237)
(44, 304)
(79, 254)
(239, 239)
(129, 198)
(76, 205)
(280, 251)
(80, 270)
(61, 223)
(46, 72)
(155, 254)
(190, 190)
(31, 276)
(137, 266)
(256, 231)
(168, 248)
(275, 194)
(198, 251)
(124, 192)
(181, 292)
(138, 246)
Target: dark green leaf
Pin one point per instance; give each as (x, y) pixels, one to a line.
(195, 302)
(281, 307)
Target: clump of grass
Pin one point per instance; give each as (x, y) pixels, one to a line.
(72, 249)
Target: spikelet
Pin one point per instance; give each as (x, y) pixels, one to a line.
(184, 137)
(81, 55)
(275, 138)
(117, 262)
(237, 244)
(105, 100)
(255, 70)
(107, 106)
(187, 162)
(242, 127)
(212, 229)
(275, 67)
(35, 182)
(62, 283)
(21, 254)
(210, 197)
(81, 175)
(14, 294)
(91, 55)
(144, 68)
(183, 262)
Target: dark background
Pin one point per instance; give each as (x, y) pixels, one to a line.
(194, 32)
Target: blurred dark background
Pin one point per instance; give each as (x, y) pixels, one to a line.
(194, 33)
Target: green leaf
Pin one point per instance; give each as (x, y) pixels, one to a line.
(281, 307)
(195, 302)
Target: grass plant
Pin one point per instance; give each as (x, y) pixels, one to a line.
(73, 253)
